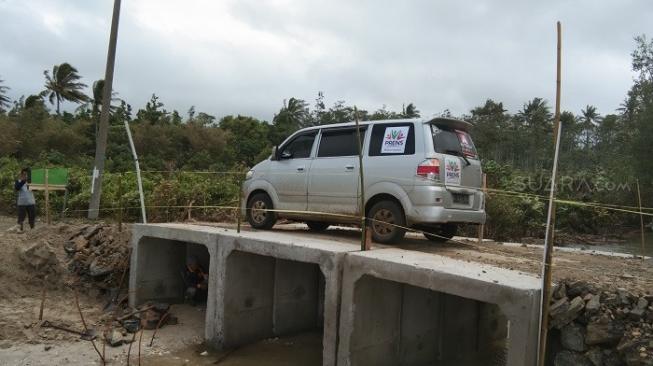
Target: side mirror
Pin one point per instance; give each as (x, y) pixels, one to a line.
(275, 153)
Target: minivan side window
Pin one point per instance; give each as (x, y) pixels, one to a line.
(392, 139)
(300, 147)
(339, 142)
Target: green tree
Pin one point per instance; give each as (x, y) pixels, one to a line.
(64, 85)
(292, 116)
(4, 99)
(247, 142)
(490, 130)
(154, 113)
(411, 111)
(590, 118)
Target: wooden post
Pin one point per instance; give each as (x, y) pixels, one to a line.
(641, 216)
(481, 228)
(47, 199)
(550, 221)
(359, 144)
(240, 202)
(120, 203)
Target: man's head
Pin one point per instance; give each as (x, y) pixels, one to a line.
(24, 174)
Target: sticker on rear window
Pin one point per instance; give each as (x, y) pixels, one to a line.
(452, 170)
(394, 140)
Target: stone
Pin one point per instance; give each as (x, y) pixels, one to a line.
(578, 288)
(572, 337)
(636, 314)
(563, 313)
(114, 338)
(642, 303)
(593, 305)
(624, 296)
(560, 291)
(568, 358)
(595, 356)
(612, 300)
(603, 333)
(97, 270)
(39, 255)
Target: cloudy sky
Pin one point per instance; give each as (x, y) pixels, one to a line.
(246, 56)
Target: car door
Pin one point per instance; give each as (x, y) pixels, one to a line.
(333, 182)
(289, 173)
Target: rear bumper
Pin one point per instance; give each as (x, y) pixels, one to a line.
(434, 204)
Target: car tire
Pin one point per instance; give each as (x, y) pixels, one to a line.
(441, 233)
(256, 216)
(391, 212)
(317, 225)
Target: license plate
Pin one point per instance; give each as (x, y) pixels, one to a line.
(461, 199)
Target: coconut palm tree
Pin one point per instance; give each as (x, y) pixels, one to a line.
(589, 121)
(64, 85)
(4, 99)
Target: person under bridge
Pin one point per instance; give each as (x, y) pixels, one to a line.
(196, 281)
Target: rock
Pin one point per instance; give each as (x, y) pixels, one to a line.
(593, 305)
(642, 303)
(560, 291)
(91, 231)
(624, 296)
(40, 256)
(613, 359)
(595, 356)
(568, 358)
(612, 300)
(564, 311)
(572, 337)
(578, 288)
(97, 270)
(636, 314)
(114, 338)
(601, 332)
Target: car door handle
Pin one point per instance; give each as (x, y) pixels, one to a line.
(300, 169)
(349, 167)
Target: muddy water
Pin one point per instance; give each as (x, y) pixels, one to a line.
(303, 349)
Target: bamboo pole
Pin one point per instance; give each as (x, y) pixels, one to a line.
(120, 203)
(481, 228)
(550, 222)
(240, 202)
(641, 217)
(359, 144)
(47, 199)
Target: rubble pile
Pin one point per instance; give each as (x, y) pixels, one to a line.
(126, 320)
(594, 327)
(98, 253)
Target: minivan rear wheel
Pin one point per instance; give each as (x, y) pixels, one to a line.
(317, 225)
(382, 214)
(257, 216)
(441, 233)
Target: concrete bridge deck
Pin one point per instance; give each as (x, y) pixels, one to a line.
(387, 306)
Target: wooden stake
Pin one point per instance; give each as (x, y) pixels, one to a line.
(42, 304)
(359, 144)
(47, 199)
(550, 222)
(641, 216)
(120, 203)
(481, 228)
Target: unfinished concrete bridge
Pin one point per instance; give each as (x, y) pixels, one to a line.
(386, 306)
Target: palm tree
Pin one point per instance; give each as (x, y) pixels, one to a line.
(589, 121)
(4, 99)
(98, 92)
(64, 85)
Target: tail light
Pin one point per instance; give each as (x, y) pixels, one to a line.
(429, 168)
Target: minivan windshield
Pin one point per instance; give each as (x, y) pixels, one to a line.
(448, 140)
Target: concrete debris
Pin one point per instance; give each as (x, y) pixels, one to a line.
(609, 328)
(114, 338)
(41, 259)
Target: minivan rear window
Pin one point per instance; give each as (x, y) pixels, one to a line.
(447, 140)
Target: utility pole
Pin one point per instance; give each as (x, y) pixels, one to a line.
(101, 137)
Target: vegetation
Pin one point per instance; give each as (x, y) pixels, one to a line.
(601, 157)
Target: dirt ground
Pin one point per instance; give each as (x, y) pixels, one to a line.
(24, 342)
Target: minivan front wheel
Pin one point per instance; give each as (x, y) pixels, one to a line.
(441, 233)
(257, 214)
(387, 222)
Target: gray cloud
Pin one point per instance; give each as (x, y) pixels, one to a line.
(246, 56)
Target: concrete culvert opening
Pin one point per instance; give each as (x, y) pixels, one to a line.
(399, 324)
(168, 268)
(268, 297)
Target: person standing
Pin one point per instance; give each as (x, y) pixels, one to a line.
(26, 202)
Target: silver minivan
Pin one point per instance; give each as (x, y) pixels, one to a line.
(418, 173)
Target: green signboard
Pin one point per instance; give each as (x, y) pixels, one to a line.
(56, 176)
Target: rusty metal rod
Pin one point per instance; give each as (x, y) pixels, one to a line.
(81, 315)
